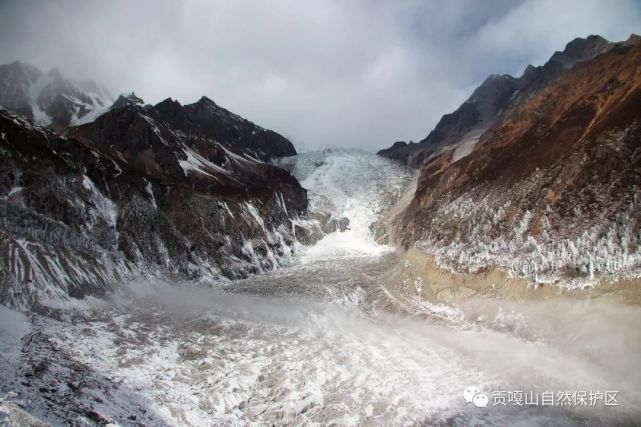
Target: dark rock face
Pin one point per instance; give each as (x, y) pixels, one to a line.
(130, 195)
(579, 50)
(493, 99)
(486, 101)
(208, 120)
(341, 224)
(307, 235)
(49, 98)
(400, 151)
(552, 190)
(127, 100)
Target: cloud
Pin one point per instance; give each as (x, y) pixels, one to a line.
(326, 73)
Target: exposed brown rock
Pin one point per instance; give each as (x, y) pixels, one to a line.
(564, 163)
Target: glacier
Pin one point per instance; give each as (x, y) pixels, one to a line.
(321, 340)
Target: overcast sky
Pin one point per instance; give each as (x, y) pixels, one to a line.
(327, 73)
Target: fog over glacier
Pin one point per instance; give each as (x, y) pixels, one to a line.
(322, 72)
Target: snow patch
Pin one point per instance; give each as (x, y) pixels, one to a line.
(150, 190)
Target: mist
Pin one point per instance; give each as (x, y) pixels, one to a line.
(325, 74)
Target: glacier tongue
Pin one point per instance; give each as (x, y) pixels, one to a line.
(348, 184)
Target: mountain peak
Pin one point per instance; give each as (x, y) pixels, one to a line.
(206, 101)
(50, 99)
(16, 64)
(633, 39)
(169, 102)
(580, 49)
(127, 100)
(23, 68)
(496, 95)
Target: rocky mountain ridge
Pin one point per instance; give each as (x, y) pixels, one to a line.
(551, 191)
(170, 191)
(495, 97)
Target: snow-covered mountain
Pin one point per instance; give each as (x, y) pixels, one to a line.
(181, 192)
(50, 99)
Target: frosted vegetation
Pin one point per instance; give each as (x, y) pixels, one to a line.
(607, 249)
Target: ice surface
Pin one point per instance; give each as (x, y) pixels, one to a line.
(203, 357)
(352, 184)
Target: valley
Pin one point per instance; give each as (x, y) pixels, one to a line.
(322, 340)
(176, 264)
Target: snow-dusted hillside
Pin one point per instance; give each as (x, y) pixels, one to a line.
(551, 192)
(132, 196)
(50, 98)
